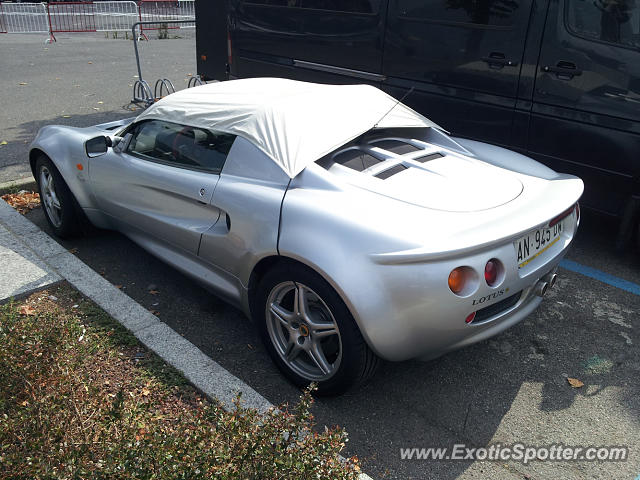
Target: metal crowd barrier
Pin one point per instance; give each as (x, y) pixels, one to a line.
(24, 18)
(70, 17)
(88, 16)
(115, 16)
(161, 14)
(3, 27)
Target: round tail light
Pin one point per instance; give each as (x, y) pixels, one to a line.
(491, 272)
(463, 281)
(456, 280)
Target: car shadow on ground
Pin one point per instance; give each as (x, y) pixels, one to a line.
(511, 388)
(17, 150)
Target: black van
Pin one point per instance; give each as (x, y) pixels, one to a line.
(558, 80)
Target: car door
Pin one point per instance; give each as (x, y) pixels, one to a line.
(585, 116)
(160, 183)
(463, 57)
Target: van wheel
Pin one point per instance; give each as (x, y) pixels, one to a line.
(57, 200)
(309, 332)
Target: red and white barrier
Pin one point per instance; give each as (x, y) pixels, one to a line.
(88, 16)
(70, 17)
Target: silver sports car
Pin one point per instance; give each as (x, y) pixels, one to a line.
(346, 225)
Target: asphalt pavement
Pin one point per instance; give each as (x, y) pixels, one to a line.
(81, 80)
(511, 388)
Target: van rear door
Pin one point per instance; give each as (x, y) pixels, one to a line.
(315, 40)
(464, 59)
(585, 117)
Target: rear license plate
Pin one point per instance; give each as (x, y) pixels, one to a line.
(535, 242)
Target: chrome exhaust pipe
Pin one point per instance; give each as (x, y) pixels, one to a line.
(551, 279)
(540, 289)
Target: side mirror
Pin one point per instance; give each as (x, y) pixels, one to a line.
(94, 147)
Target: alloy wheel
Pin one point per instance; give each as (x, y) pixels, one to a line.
(50, 198)
(303, 331)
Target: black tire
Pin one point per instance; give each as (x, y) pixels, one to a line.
(65, 221)
(357, 363)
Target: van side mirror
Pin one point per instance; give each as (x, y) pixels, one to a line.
(94, 147)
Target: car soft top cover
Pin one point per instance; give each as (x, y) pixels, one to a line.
(294, 123)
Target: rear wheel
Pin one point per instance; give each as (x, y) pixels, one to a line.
(309, 332)
(57, 200)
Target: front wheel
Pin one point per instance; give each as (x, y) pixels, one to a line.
(309, 332)
(57, 200)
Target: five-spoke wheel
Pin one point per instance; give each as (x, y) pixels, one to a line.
(308, 330)
(57, 199)
(49, 197)
(303, 331)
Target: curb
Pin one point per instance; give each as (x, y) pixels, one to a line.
(26, 183)
(203, 372)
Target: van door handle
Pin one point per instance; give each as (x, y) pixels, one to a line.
(563, 70)
(497, 60)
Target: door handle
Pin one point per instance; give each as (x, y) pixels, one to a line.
(563, 70)
(497, 60)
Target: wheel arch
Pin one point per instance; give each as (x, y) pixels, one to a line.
(34, 154)
(64, 160)
(268, 263)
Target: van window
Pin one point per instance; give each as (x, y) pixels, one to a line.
(479, 12)
(350, 6)
(612, 21)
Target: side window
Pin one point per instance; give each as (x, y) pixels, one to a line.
(478, 12)
(350, 6)
(612, 21)
(181, 146)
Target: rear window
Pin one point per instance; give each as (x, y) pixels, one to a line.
(356, 160)
(395, 146)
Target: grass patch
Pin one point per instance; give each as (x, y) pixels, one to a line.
(81, 398)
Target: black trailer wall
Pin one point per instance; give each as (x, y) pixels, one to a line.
(211, 38)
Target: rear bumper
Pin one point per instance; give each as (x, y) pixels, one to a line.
(415, 315)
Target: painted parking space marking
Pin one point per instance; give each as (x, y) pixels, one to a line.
(601, 276)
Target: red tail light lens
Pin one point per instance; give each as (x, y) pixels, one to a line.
(491, 272)
(470, 317)
(562, 216)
